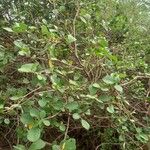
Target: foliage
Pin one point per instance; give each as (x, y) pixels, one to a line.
(75, 70)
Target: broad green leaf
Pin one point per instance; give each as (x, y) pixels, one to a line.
(87, 16)
(96, 85)
(14, 98)
(33, 134)
(42, 114)
(58, 105)
(20, 44)
(88, 112)
(19, 147)
(26, 118)
(71, 39)
(62, 127)
(31, 67)
(118, 88)
(41, 77)
(104, 87)
(103, 42)
(121, 138)
(106, 98)
(20, 27)
(76, 116)
(142, 137)
(24, 49)
(109, 79)
(85, 124)
(6, 121)
(56, 147)
(44, 30)
(110, 109)
(92, 90)
(69, 144)
(39, 144)
(72, 106)
(46, 122)
(34, 112)
(42, 102)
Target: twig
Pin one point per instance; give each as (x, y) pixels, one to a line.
(74, 31)
(66, 132)
(50, 117)
(135, 78)
(74, 34)
(29, 94)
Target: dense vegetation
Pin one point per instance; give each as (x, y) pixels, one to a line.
(74, 74)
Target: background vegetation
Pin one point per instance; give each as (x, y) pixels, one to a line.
(74, 74)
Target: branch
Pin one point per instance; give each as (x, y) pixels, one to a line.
(66, 132)
(136, 78)
(74, 34)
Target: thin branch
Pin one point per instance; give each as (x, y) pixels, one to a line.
(66, 132)
(33, 91)
(136, 78)
(50, 117)
(75, 43)
(74, 30)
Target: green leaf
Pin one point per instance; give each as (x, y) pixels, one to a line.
(142, 137)
(76, 116)
(19, 147)
(92, 90)
(96, 85)
(44, 30)
(118, 88)
(85, 124)
(109, 79)
(39, 144)
(31, 67)
(83, 19)
(62, 127)
(110, 109)
(41, 77)
(70, 144)
(58, 105)
(19, 44)
(8, 29)
(33, 134)
(42, 114)
(71, 39)
(26, 118)
(42, 102)
(6, 121)
(20, 27)
(14, 98)
(34, 112)
(72, 106)
(103, 42)
(73, 82)
(24, 49)
(46, 122)
(106, 98)
(56, 147)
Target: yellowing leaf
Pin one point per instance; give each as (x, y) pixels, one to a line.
(50, 63)
(30, 126)
(63, 146)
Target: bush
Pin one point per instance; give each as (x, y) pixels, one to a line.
(72, 71)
